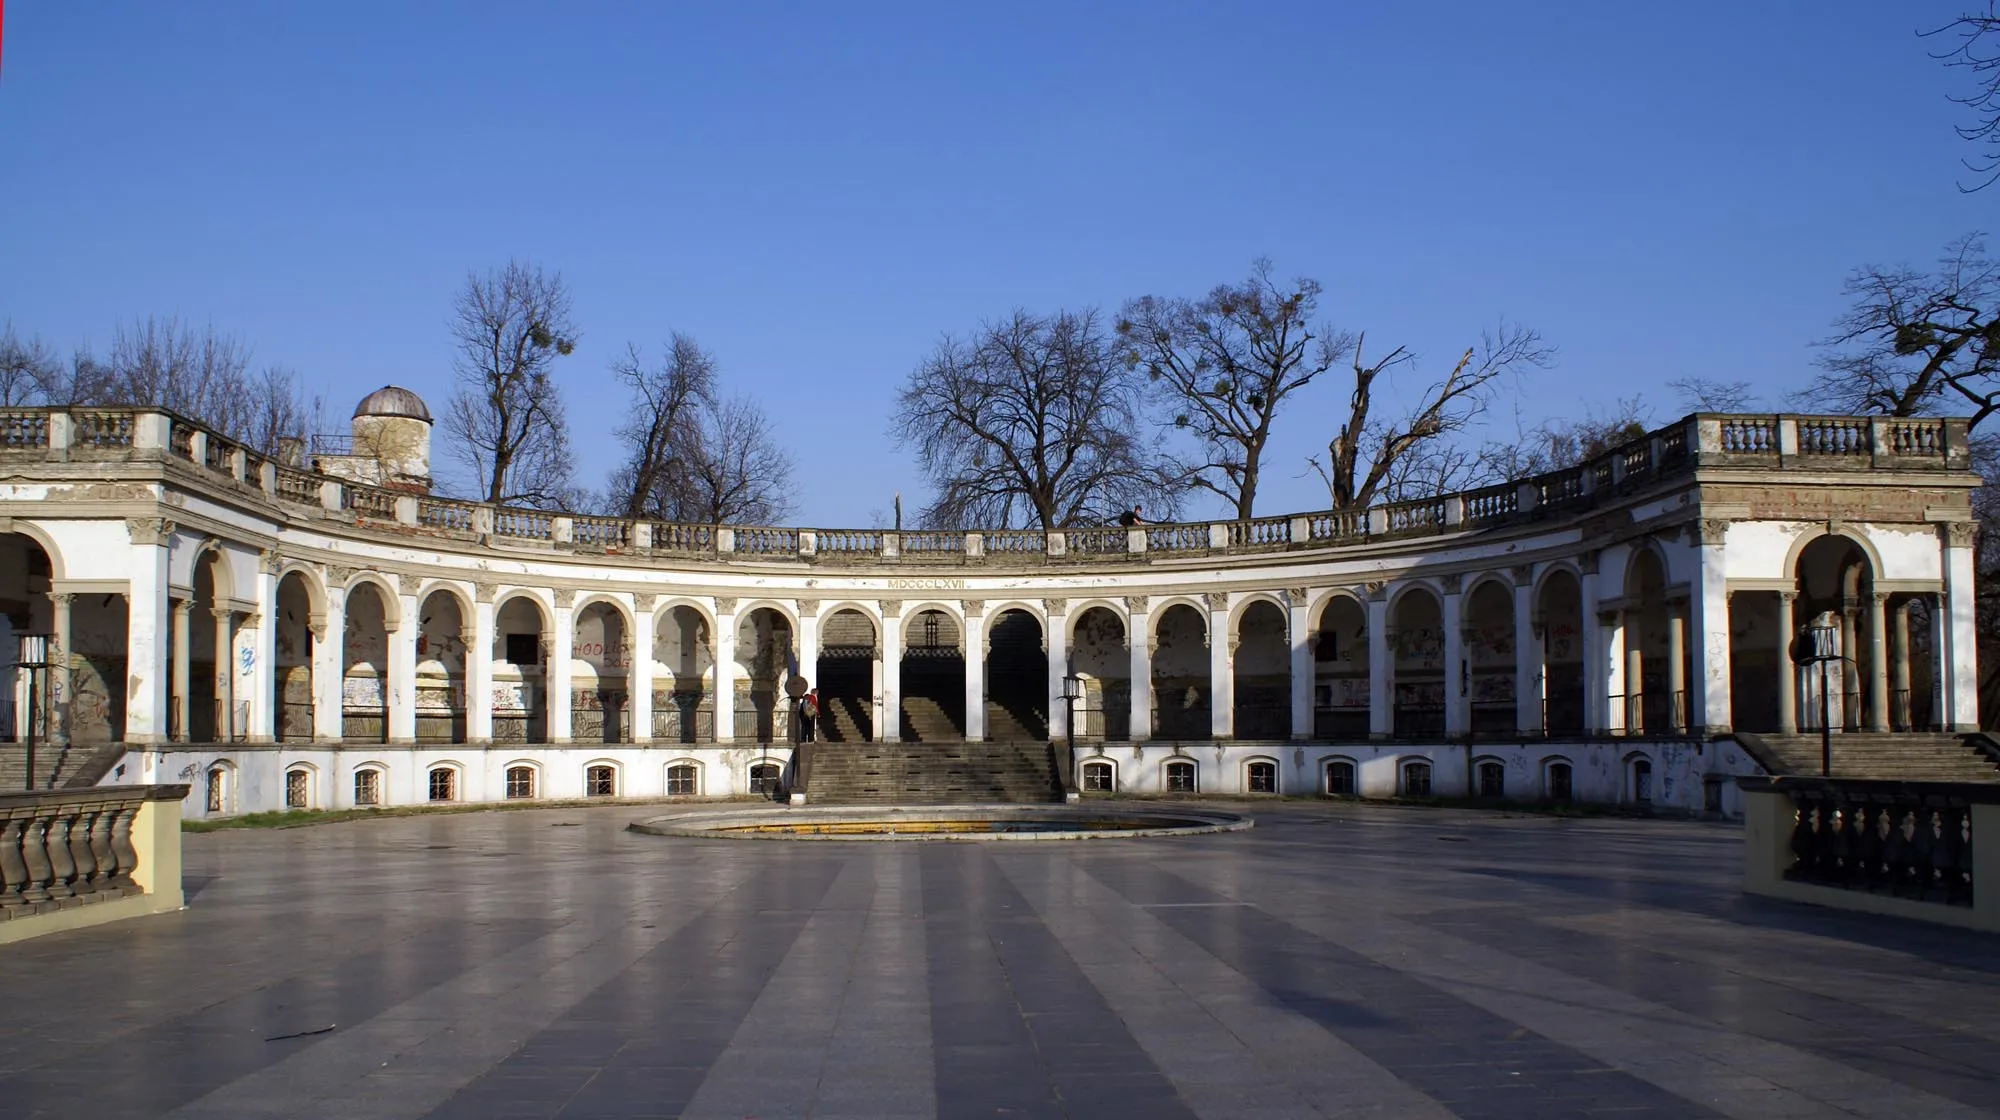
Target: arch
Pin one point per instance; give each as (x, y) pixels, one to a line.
(519, 676)
(765, 777)
(1405, 588)
(367, 613)
(1418, 676)
(748, 607)
(309, 578)
(997, 607)
(603, 643)
(1159, 610)
(1260, 667)
(1414, 776)
(682, 645)
(1558, 775)
(1489, 774)
(766, 652)
(1250, 599)
(368, 782)
(1639, 773)
(1821, 531)
(1490, 666)
(1102, 661)
(603, 598)
(684, 777)
(603, 777)
(47, 541)
(219, 788)
(867, 609)
(1340, 776)
(1182, 689)
(1488, 577)
(443, 661)
(1098, 774)
(1550, 570)
(301, 785)
(545, 607)
(1558, 611)
(1080, 607)
(666, 605)
(294, 650)
(211, 549)
(1342, 668)
(1643, 557)
(464, 598)
(1262, 775)
(392, 600)
(845, 673)
(1016, 675)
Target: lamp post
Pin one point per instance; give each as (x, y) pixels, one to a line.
(1823, 646)
(31, 658)
(1072, 690)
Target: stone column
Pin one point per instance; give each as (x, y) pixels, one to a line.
(183, 670)
(225, 649)
(1677, 694)
(146, 641)
(1710, 707)
(1139, 644)
(639, 667)
(562, 634)
(1529, 660)
(889, 675)
(1381, 668)
(1611, 669)
(1221, 669)
(1457, 670)
(1878, 662)
(1788, 670)
(1903, 715)
(328, 664)
(808, 638)
(725, 670)
(1056, 637)
(61, 679)
(262, 638)
(1631, 633)
(401, 687)
(479, 669)
(1300, 634)
(1590, 647)
(1849, 697)
(976, 646)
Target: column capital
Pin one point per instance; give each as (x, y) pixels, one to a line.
(1452, 583)
(149, 530)
(1135, 603)
(1788, 596)
(317, 624)
(1056, 606)
(407, 584)
(1711, 530)
(973, 606)
(565, 597)
(808, 608)
(221, 613)
(61, 599)
(725, 604)
(1960, 534)
(1216, 600)
(184, 607)
(891, 608)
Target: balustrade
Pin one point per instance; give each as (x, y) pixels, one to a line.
(866, 541)
(1405, 517)
(767, 541)
(1341, 525)
(1260, 533)
(523, 524)
(216, 454)
(1911, 843)
(1098, 542)
(1915, 438)
(1495, 503)
(1673, 446)
(1834, 436)
(21, 429)
(100, 429)
(1014, 542)
(1176, 538)
(64, 848)
(366, 501)
(181, 440)
(444, 515)
(669, 536)
(606, 533)
(299, 486)
(928, 543)
(1560, 489)
(1749, 435)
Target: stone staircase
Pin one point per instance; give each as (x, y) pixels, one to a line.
(843, 719)
(927, 721)
(57, 767)
(1902, 756)
(932, 773)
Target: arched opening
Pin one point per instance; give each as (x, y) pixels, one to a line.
(441, 653)
(1100, 776)
(1340, 671)
(933, 678)
(764, 664)
(1260, 775)
(845, 676)
(299, 791)
(1654, 695)
(1340, 778)
(1100, 657)
(219, 789)
(766, 780)
(1415, 777)
(1915, 699)
(1639, 781)
(1490, 661)
(368, 786)
(291, 661)
(1181, 691)
(364, 670)
(521, 782)
(600, 675)
(520, 672)
(684, 779)
(1558, 780)
(1181, 776)
(1416, 626)
(213, 712)
(1262, 668)
(26, 575)
(442, 784)
(1836, 585)
(600, 779)
(683, 659)
(1490, 778)
(1017, 680)
(1559, 618)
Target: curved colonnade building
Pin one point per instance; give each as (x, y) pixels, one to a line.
(336, 636)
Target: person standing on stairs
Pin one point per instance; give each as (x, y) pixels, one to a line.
(808, 714)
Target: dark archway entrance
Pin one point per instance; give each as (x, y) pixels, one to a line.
(1017, 680)
(933, 677)
(845, 676)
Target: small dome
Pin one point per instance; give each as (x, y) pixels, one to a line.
(392, 400)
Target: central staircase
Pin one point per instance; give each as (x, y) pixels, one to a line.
(1902, 756)
(932, 773)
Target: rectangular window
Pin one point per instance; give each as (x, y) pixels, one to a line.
(520, 782)
(367, 787)
(1097, 777)
(298, 789)
(1416, 779)
(1263, 777)
(1492, 780)
(600, 781)
(1180, 777)
(680, 781)
(443, 786)
(1340, 779)
(1559, 782)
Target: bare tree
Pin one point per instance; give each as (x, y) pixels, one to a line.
(1917, 342)
(662, 430)
(27, 369)
(1224, 366)
(1561, 443)
(1030, 421)
(731, 469)
(1702, 394)
(1977, 50)
(1369, 452)
(280, 409)
(506, 419)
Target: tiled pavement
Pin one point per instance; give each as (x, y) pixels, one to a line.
(1337, 960)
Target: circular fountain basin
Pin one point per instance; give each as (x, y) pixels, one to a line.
(944, 822)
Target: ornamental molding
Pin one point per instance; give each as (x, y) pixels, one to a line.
(340, 575)
(1216, 600)
(565, 597)
(1586, 561)
(1453, 583)
(149, 530)
(973, 606)
(1960, 534)
(725, 604)
(408, 584)
(645, 603)
(1711, 530)
(1296, 596)
(891, 608)
(483, 590)
(1135, 603)
(1524, 574)
(808, 608)
(1375, 590)
(269, 561)
(1056, 606)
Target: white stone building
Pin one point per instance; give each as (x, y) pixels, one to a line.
(1606, 633)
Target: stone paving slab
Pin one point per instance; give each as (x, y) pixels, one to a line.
(1337, 960)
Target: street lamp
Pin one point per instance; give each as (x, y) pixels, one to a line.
(1072, 691)
(31, 658)
(1823, 646)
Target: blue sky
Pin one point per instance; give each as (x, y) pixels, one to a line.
(817, 192)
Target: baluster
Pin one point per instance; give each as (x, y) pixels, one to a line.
(34, 853)
(1802, 841)
(13, 870)
(87, 879)
(1896, 849)
(121, 847)
(62, 869)
(1868, 848)
(1923, 842)
(1955, 865)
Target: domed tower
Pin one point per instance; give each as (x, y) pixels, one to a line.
(392, 442)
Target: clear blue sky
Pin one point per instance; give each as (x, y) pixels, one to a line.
(816, 192)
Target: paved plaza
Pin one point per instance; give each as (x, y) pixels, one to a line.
(1337, 960)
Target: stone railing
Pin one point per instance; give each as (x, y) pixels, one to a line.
(75, 857)
(1699, 441)
(1919, 850)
